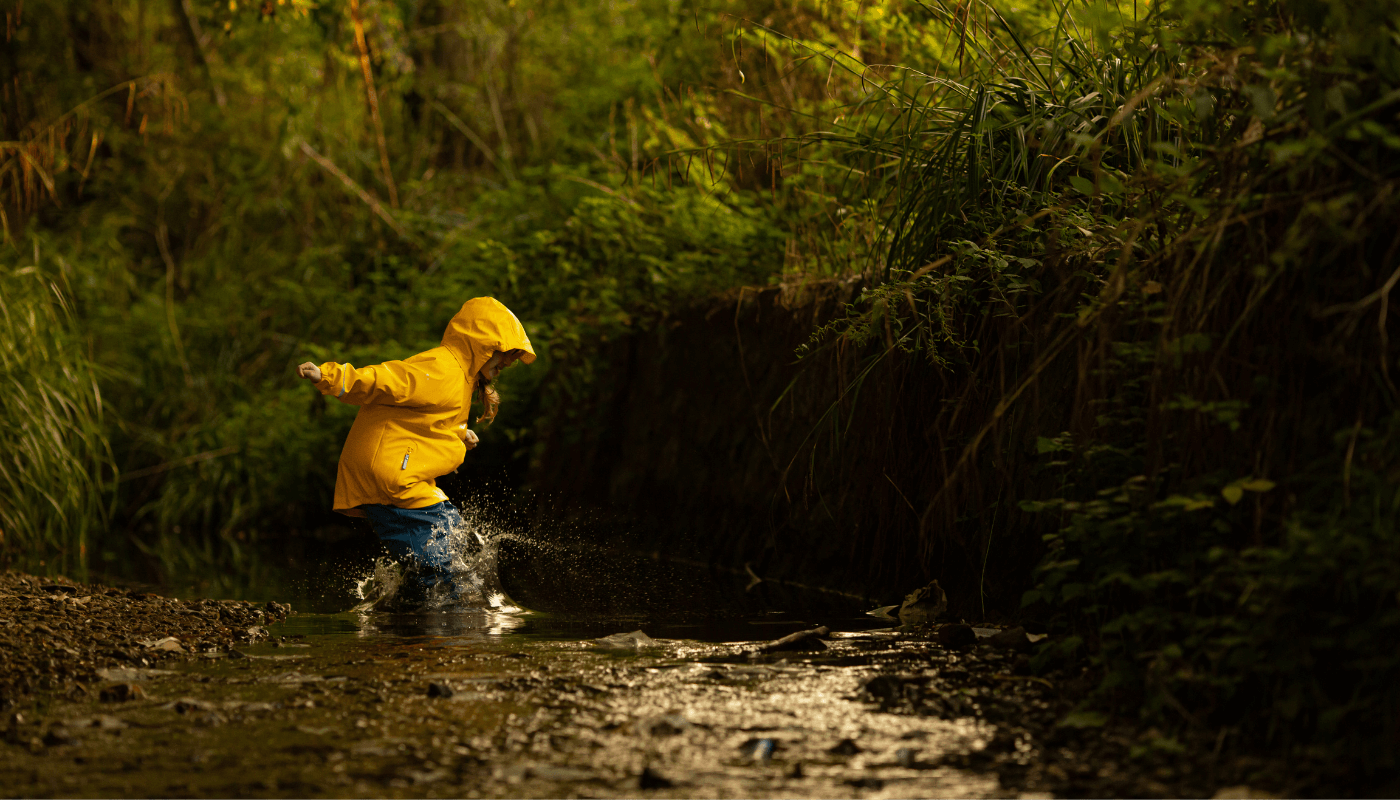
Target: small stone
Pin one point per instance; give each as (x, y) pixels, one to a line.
(954, 636)
(650, 779)
(845, 747)
(905, 756)
(759, 749)
(439, 690)
(58, 736)
(187, 704)
(121, 693)
(669, 725)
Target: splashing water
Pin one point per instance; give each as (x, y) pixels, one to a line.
(470, 548)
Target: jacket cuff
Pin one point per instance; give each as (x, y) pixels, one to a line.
(330, 379)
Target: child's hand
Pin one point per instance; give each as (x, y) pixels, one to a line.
(470, 439)
(310, 372)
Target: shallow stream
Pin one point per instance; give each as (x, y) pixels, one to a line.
(631, 675)
(473, 702)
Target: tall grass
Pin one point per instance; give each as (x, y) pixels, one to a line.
(1155, 258)
(56, 468)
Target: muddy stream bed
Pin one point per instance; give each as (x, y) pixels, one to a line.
(119, 693)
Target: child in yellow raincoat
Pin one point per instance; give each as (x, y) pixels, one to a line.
(412, 428)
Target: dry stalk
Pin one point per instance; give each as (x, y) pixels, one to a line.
(369, 199)
(372, 98)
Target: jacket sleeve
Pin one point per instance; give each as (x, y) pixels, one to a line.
(391, 383)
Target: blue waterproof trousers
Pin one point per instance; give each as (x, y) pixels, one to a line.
(418, 537)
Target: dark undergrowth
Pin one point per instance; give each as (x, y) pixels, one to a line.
(1157, 255)
(1146, 263)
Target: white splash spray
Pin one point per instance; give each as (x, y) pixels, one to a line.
(471, 548)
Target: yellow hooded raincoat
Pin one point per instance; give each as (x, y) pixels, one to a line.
(413, 413)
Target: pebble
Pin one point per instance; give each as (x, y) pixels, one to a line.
(122, 692)
(668, 725)
(650, 779)
(845, 747)
(954, 636)
(760, 750)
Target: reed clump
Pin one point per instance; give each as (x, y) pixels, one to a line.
(57, 468)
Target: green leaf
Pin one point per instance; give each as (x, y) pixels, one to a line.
(1258, 485)
(1185, 503)
(1081, 184)
(1232, 493)
(1084, 719)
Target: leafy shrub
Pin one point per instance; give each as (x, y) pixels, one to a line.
(1169, 238)
(1192, 615)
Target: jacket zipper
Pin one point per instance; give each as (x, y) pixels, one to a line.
(405, 460)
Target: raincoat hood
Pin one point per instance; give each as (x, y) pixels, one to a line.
(485, 326)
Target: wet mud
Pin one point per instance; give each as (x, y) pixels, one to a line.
(482, 703)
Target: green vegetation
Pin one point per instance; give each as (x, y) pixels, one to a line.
(225, 202)
(56, 458)
(1151, 246)
(1176, 232)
